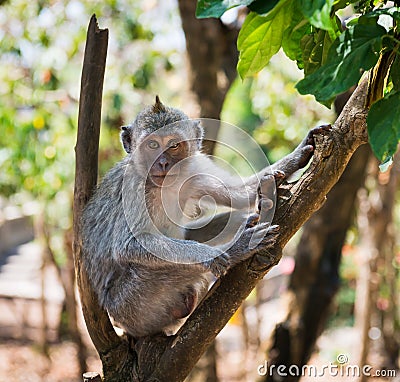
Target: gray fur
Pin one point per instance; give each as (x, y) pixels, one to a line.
(138, 289)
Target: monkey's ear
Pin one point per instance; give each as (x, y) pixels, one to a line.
(158, 107)
(126, 138)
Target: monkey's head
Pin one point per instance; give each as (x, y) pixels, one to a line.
(159, 138)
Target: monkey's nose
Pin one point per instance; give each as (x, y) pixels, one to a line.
(163, 163)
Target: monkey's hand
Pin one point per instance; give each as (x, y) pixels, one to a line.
(307, 146)
(260, 236)
(265, 196)
(302, 154)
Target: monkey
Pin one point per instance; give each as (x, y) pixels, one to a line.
(148, 266)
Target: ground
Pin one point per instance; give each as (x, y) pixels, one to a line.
(21, 329)
(23, 362)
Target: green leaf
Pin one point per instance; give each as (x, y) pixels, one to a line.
(391, 11)
(395, 73)
(318, 12)
(356, 50)
(291, 41)
(262, 7)
(340, 4)
(373, 17)
(315, 48)
(261, 37)
(383, 123)
(216, 8)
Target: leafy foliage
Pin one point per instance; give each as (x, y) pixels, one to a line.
(356, 50)
(261, 37)
(334, 57)
(384, 133)
(216, 8)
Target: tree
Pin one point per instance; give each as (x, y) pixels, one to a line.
(311, 35)
(171, 358)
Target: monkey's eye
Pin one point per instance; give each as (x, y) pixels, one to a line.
(153, 145)
(173, 145)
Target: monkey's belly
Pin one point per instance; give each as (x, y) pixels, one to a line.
(156, 300)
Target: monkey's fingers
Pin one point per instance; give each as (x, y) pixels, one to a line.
(252, 220)
(279, 176)
(266, 187)
(265, 206)
(219, 265)
(269, 239)
(315, 131)
(260, 233)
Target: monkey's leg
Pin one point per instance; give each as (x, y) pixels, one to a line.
(189, 302)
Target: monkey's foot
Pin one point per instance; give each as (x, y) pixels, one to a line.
(307, 146)
(263, 258)
(266, 193)
(270, 237)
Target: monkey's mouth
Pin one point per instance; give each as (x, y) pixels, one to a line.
(163, 180)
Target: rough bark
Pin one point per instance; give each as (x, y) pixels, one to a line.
(315, 279)
(171, 358)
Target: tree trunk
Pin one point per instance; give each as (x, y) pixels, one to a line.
(377, 232)
(315, 279)
(212, 54)
(161, 358)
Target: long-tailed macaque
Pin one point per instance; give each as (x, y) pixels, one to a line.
(145, 257)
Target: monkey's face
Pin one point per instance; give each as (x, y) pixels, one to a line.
(161, 155)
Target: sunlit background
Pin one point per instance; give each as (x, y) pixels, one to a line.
(41, 55)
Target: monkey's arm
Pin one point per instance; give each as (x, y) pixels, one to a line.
(154, 250)
(203, 232)
(210, 180)
(228, 191)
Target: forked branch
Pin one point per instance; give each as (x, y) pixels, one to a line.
(171, 358)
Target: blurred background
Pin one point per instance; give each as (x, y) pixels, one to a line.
(335, 292)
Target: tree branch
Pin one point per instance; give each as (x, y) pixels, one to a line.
(112, 349)
(171, 358)
(296, 204)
